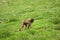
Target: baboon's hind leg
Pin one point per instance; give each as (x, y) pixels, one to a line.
(21, 27)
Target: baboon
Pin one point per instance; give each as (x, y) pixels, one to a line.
(27, 23)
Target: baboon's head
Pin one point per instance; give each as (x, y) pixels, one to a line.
(31, 20)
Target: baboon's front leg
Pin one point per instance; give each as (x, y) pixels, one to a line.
(29, 25)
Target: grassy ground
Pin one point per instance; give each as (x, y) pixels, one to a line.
(45, 27)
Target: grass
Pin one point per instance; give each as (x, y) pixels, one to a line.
(45, 27)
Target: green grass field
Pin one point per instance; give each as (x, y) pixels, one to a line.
(45, 27)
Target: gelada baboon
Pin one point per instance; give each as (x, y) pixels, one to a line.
(27, 23)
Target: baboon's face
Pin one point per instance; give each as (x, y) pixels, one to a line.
(31, 20)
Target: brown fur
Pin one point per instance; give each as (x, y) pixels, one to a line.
(27, 23)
